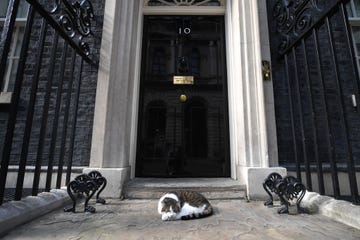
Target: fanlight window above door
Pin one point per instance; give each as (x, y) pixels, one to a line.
(184, 2)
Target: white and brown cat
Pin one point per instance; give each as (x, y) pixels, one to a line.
(183, 205)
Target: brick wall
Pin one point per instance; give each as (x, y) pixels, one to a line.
(84, 124)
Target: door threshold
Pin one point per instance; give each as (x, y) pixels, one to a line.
(184, 182)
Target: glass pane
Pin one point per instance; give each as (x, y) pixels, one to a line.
(18, 41)
(3, 8)
(184, 3)
(22, 11)
(349, 10)
(5, 86)
(357, 7)
(13, 75)
(356, 36)
(13, 59)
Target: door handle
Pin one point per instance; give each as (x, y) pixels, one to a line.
(353, 99)
(183, 98)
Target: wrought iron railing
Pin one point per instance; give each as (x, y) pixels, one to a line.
(43, 112)
(316, 84)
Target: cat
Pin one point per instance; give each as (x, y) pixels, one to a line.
(183, 205)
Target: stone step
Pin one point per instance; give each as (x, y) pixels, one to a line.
(211, 188)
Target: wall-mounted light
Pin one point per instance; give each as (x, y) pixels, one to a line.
(266, 70)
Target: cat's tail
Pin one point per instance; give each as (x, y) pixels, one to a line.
(207, 212)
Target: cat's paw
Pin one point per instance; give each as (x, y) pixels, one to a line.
(167, 217)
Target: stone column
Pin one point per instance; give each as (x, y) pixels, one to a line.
(248, 125)
(111, 139)
(268, 86)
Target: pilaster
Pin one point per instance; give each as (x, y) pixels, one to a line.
(114, 98)
(248, 120)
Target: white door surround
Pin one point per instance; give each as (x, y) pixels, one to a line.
(251, 111)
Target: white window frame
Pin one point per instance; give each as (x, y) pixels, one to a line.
(5, 92)
(182, 9)
(354, 21)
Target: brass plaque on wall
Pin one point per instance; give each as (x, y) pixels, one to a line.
(183, 80)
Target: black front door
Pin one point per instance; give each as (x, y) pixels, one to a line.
(183, 119)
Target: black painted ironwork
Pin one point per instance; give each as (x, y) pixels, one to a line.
(329, 140)
(30, 115)
(294, 18)
(269, 186)
(75, 20)
(354, 188)
(86, 184)
(72, 20)
(74, 122)
(63, 36)
(315, 74)
(45, 114)
(13, 111)
(65, 123)
(289, 189)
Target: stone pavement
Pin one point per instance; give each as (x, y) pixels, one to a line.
(138, 219)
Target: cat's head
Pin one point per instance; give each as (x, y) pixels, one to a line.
(168, 203)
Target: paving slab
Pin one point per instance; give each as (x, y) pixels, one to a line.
(138, 219)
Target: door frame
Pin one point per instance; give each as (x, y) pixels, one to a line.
(253, 144)
(250, 124)
(145, 10)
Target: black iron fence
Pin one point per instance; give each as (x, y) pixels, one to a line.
(40, 123)
(316, 88)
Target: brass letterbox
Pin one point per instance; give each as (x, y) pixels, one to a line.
(183, 80)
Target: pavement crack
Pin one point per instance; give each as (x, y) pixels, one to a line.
(62, 221)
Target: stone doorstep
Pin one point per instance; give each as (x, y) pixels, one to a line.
(218, 194)
(212, 188)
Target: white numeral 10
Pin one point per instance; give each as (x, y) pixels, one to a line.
(185, 31)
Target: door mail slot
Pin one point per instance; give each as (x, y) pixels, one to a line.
(183, 80)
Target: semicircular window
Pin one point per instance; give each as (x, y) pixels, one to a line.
(184, 2)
